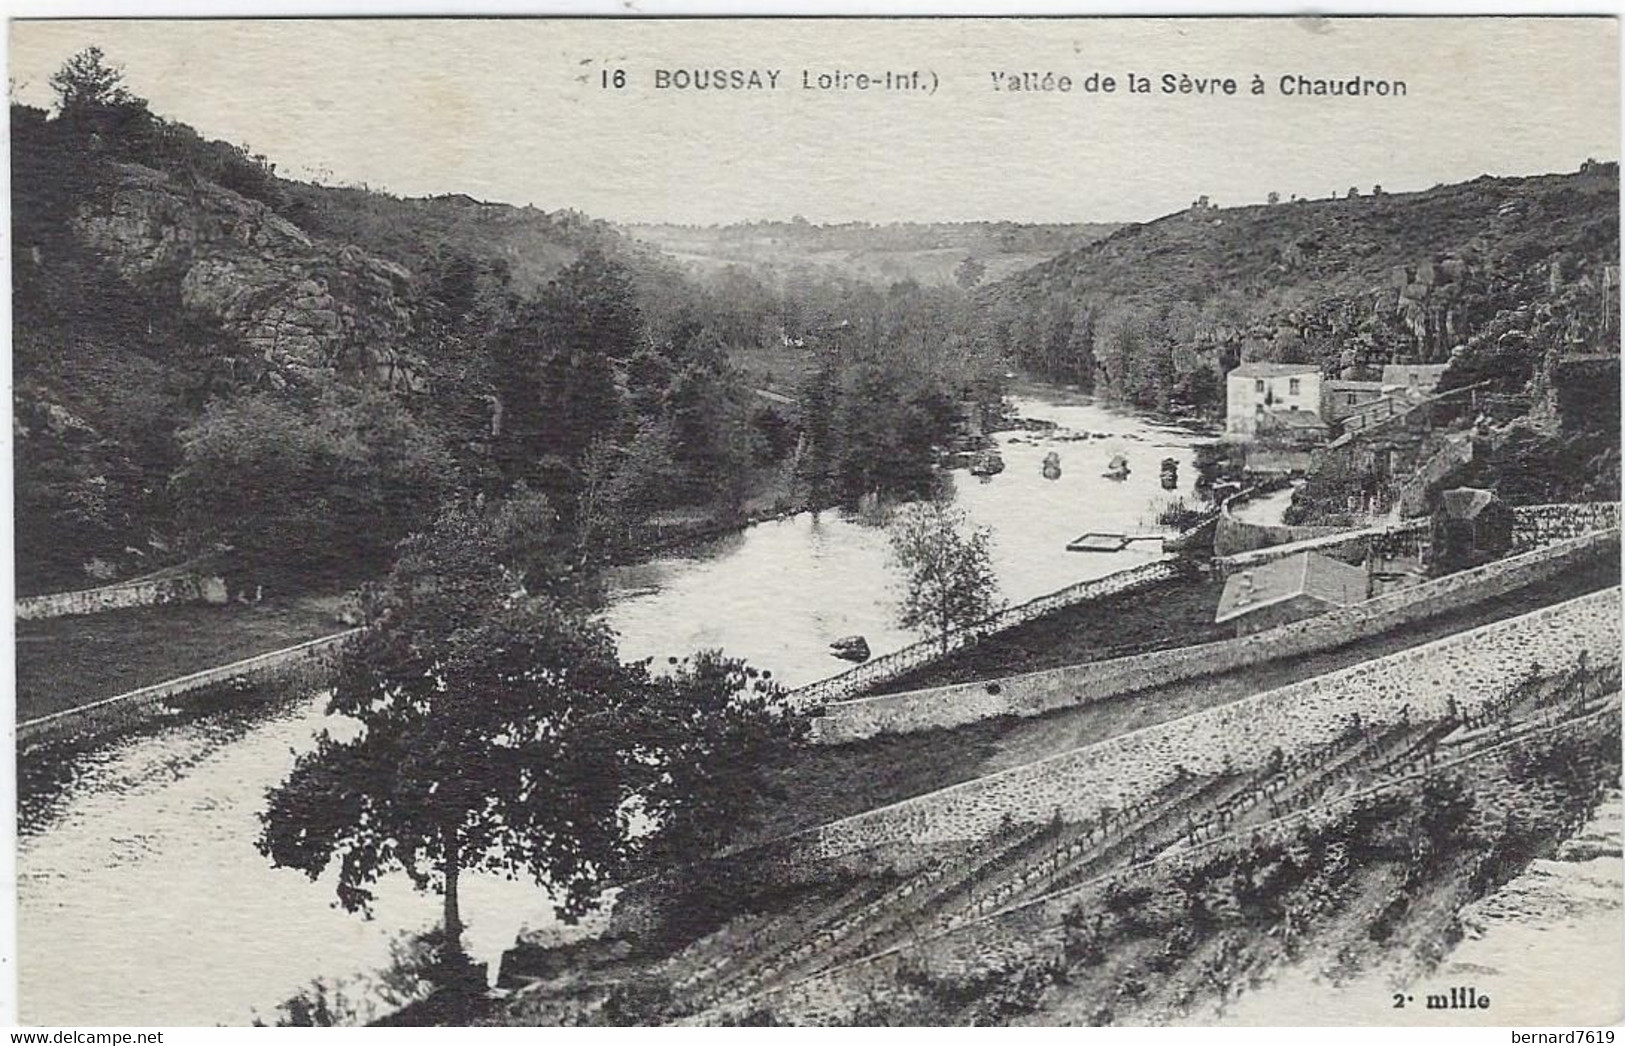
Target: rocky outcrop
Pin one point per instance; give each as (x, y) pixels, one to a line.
(299, 304)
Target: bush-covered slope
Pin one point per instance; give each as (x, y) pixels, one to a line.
(1155, 313)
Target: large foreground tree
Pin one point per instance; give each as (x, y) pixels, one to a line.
(500, 732)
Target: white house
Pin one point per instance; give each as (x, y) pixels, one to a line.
(1253, 390)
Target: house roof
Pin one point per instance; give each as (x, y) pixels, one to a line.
(1345, 385)
(1305, 574)
(1273, 370)
(1400, 373)
(1467, 502)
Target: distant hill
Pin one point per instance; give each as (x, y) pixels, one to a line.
(927, 253)
(1156, 312)
(426, 234)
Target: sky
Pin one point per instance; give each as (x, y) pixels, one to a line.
(515, 110)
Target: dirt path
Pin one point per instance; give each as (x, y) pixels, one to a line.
(1027, 740)
(823, 783)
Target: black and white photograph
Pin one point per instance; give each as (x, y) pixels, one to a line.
(884, 521)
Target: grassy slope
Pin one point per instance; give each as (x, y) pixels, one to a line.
(71, 661)
(824, 783)
(1173, 613)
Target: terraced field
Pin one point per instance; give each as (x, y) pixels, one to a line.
(998, 902)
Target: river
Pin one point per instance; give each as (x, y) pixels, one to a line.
(142, 900)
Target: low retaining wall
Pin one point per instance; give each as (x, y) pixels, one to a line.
(313, 661)
(890, 666)
(1538, 525)
(1349, 546)
(1035, 693)
(1466, 670)
(1236, 535)
(185, 589)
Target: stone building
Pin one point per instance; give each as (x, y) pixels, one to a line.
(1471, 526)
(1342, 398)
(1254, 390)
(1412, 379)
(1291, 589)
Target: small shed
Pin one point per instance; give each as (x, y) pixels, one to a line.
(1415, 379)
(1287, 590)
(1471, 526)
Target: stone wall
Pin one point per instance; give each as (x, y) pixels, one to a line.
(1468, 669)
(1035, 693)
(311, 662)
(185, 589)
(890, 666)
(1539, 525)
(1238, 535)
(1348, 546)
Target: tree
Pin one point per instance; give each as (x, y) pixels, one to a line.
(719, 723)
(86, 81)
(320, 489)
(555, 371)
(709, 407)
(948, 579)
(92, 99)
(501, 733)
(621, 486)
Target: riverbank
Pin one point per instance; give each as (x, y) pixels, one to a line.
(69, 662)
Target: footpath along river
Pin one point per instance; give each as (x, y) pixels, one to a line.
(142, 900)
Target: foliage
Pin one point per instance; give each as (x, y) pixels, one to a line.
(1325, 495)
(285, 484)
(948, 577)
(498, 731)
(1447, 809)
(1155, 313)
(969, 272)
(1179, 514)
(717, 722)
(555, 372)
(713, 442)
(86, 80)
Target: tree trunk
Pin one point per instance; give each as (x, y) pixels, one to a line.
(453, 918)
